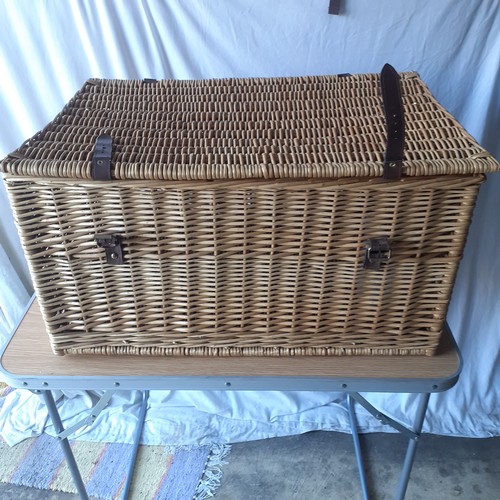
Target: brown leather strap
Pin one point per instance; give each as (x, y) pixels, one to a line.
(393, 110)
(101, 159)
(334, 7)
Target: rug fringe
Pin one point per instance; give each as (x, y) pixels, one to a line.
(212, 476)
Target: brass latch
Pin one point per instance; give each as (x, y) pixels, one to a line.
(378, 250)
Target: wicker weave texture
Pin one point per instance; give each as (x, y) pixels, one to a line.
(244, 206)
(294, 128)
(244, 267)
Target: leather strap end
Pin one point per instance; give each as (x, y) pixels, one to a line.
(101, 159)
(393, 170)
(334, 7)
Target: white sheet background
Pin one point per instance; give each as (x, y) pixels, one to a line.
(48, 49)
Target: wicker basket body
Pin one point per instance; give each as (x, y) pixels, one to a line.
(244, 208)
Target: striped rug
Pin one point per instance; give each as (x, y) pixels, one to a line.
(160, 473)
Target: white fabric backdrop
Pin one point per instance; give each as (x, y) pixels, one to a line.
(48, 49)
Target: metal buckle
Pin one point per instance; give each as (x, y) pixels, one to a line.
(378, 251)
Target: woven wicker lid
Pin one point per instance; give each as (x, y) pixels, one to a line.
(302, 127)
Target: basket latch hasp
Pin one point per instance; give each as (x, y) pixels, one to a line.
(378, 251)
(112, 243)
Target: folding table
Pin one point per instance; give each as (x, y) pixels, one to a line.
(28, 362)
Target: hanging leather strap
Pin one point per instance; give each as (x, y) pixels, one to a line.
(334, 7)
(393, 110)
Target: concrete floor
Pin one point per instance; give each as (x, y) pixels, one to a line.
(321, 466)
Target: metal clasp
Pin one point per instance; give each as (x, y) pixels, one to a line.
(378, 251)
(112, 243)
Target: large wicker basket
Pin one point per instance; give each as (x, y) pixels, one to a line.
(246, 216)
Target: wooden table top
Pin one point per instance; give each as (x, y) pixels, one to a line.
(28, 356)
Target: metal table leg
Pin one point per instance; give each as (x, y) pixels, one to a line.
(137, 437)
(63, 433)
(357, 447)
(412, 446)
(66, 448)
(412, 434)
